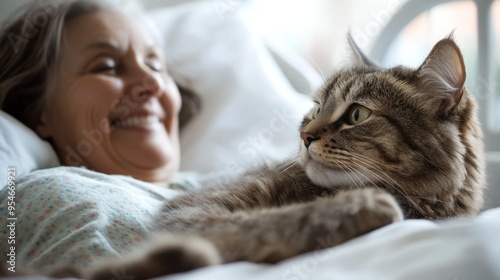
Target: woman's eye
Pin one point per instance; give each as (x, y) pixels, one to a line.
(154, 64)
(358, 114)
(106, 68)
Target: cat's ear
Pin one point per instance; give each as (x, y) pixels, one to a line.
(442, 76)
(358, 56)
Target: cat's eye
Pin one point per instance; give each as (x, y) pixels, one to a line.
(316, 110)
(358, 114)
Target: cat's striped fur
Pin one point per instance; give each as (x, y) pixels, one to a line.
(379, 143)
(418, 144)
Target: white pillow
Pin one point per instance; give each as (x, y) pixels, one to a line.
(22, 149)
(249, 108)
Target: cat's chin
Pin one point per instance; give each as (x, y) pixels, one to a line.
(328, 177)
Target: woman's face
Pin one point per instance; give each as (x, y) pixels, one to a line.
(111, 105)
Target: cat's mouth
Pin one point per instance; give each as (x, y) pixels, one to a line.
(311, 158)
(317, 163)
(329, 175)
(323, 167)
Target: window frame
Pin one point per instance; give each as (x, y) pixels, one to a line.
(485, 84)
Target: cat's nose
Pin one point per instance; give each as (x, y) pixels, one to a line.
(308, 138)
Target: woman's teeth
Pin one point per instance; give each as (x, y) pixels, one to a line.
(137, 121)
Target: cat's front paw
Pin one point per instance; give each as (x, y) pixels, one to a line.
(350, 214)
(168, 255)
(364, 210)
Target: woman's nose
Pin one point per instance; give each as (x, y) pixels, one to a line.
(146, 85)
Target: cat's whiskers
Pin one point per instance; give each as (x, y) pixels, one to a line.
(375, 162)
(429, 161)
(376, 165)
(426, 198)
(314, 64)
(385, 181)
(338, 161)
(290, 165)
(350, 173)
(290, 154)
(446, 173)
(368, 179)
(392, 184)
(360, 174)
(388, 181)
(357, 172)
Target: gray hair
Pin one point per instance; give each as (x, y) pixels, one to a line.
(29, 48)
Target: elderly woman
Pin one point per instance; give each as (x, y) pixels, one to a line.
(90, 70)
(93, 83)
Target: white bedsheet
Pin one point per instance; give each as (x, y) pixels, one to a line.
(412, 249)
(81, 216)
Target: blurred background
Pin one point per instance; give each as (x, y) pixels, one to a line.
(391, 32)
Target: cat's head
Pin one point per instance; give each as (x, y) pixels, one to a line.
(398, 126)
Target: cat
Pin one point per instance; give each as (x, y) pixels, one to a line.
(380, 145)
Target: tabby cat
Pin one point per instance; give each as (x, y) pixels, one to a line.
(379, 145)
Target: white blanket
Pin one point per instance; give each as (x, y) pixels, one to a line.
(74, 216)
(413, 249)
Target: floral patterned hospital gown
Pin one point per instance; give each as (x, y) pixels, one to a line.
(74, 216)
